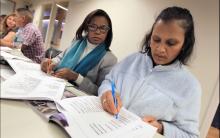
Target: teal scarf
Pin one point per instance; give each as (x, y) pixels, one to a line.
(71, 58)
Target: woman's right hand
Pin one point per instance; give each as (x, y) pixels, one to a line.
(108, 102)
(47, 66)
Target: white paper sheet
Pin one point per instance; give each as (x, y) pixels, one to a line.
(10, 56)
(29, 68)
(6, 72)
(4, 48)
(20, 66)
(32, 87)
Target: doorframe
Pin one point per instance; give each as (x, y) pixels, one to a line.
(210, 110)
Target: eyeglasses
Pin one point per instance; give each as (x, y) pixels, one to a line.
(103, 29)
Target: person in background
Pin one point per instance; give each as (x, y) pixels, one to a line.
(29, 37)
(1, 22)
(86, 62)
(155, 83)
(8, 30)
(2, 17)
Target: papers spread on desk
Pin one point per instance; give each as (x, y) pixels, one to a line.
(10, 56)
(32, 87)
(29, 67)
(87, 119)
(6, 72)
(4, 48)
(20, 66)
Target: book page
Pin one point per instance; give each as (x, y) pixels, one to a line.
(29, 67)
(32, 87)
(87, 113)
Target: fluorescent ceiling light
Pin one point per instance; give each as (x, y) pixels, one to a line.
(62, 7)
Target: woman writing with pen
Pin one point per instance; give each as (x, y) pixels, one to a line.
(89, 58)
(154, 83)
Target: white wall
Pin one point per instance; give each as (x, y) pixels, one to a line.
(133, 18)
(7, 7)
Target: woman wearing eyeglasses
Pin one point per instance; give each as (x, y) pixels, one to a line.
(89, 58)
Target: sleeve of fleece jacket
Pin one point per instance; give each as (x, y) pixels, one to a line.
(106, 65)
(106, 84)
(186, 121)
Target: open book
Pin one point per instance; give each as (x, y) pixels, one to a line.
(84, 117)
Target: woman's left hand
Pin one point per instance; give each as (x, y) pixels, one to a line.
(153, 121)
(66, 73)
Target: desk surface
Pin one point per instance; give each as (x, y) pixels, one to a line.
(19, 120)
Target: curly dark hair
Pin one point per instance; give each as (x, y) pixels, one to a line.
(84, 26)
(186, 22)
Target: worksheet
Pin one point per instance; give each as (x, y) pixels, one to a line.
(87, 119)
(32, 87)
(30, 68)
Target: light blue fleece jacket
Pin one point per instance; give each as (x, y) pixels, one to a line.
(169, 93)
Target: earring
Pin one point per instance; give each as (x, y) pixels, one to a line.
(148, 43)
(85, 33)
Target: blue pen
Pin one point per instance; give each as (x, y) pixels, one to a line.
(114, 97)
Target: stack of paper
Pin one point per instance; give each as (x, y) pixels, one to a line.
(32, 87)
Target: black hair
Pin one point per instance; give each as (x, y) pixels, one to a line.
(84, 26)
(170, 14)
(3, 16)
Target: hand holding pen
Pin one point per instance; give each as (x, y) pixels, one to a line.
(47, 65)
(114, 98)
(108, 103)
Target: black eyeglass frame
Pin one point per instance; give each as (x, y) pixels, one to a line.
(93, 27)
